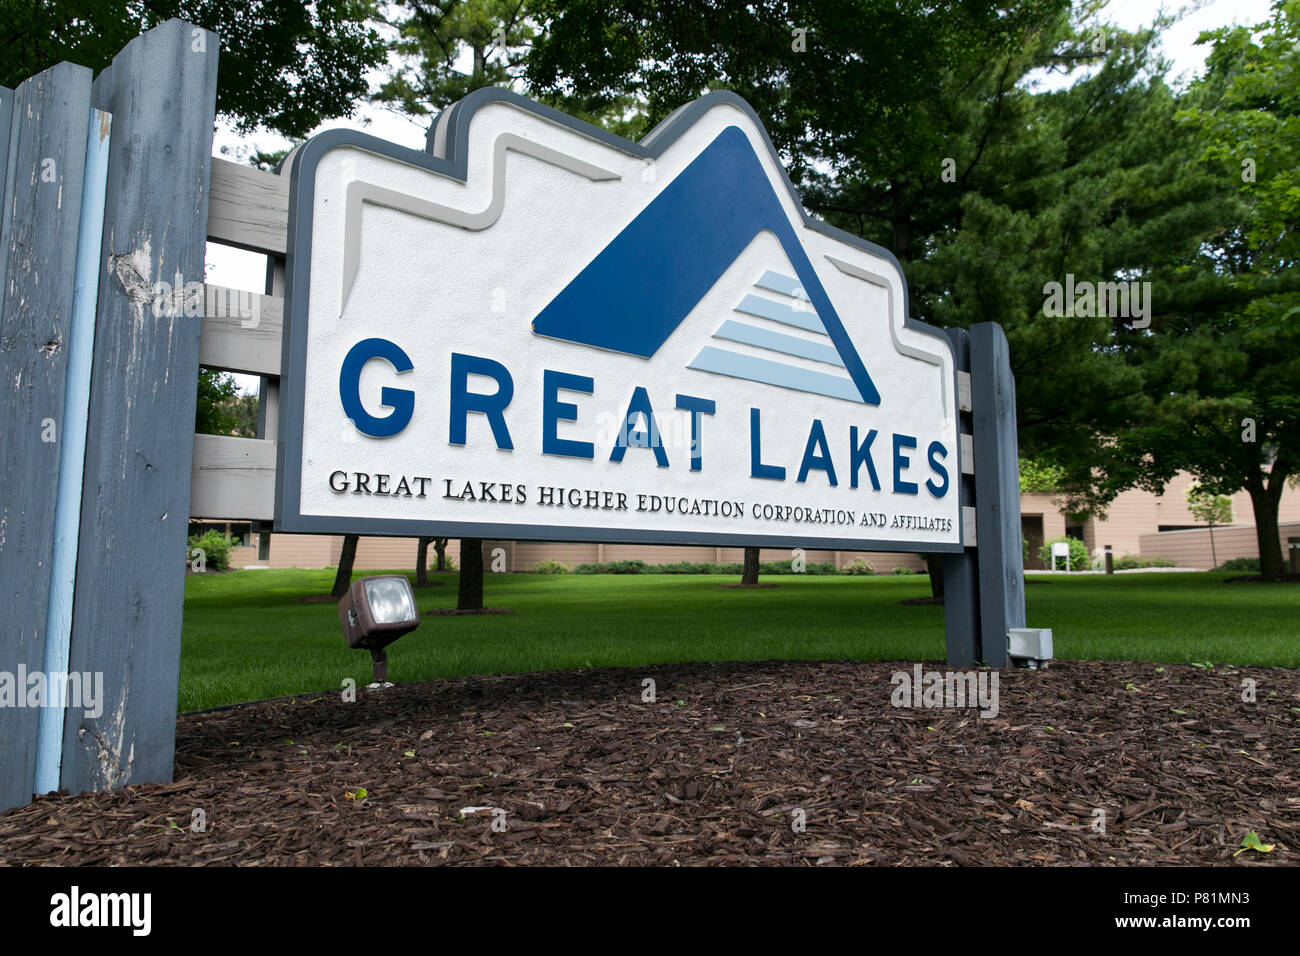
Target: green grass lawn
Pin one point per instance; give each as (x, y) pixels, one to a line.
(246, 637)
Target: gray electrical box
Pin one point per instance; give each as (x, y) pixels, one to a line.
(1030, 644)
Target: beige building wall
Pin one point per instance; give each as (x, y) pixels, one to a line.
(290, 551)
(1130, 514)
(1173, 506)
(1191, 549)
(383, 554)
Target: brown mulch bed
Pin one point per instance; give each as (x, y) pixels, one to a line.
(746, 587)
(589, 773)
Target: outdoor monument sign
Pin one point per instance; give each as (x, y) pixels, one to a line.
(539, 330)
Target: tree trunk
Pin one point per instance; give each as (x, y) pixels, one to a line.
(1214, 555)
(750, 573)
(440, 549)
(471, 575)
(1263, 502)
(934, 565)
(343, 579)
(422, 563)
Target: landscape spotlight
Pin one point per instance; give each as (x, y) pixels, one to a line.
(375, 612)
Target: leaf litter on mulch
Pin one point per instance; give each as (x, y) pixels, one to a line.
(722, 768)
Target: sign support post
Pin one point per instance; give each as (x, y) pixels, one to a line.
(997, 491)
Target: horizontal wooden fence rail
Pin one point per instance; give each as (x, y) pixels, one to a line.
(249, 208)
(241, 331)
(233, 478)
(963, 392)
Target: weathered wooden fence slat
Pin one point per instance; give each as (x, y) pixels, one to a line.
(6, 180)
(161, 90)
(46, 159)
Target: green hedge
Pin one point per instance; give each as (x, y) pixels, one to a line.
(1242, 565)
(701, 567)
(550, 566)
(1130, 562)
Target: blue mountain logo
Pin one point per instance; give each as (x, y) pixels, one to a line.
(641, 286)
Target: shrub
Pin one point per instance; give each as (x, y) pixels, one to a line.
(550, 566)
(858, 566)
(625, 567)
(902, 571)
(1080, 560)
(613, 567)
(701, 567)
(1130, 562)
(686, 567)
(1244, 565)
(786, 567)
(216, 550)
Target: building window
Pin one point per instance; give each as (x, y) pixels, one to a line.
(264, 547)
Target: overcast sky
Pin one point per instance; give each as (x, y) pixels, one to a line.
(244, 270)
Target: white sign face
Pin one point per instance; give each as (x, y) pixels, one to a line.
(546, 332)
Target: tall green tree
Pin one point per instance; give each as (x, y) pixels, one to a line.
(284, 64)
(1228, 410)
(215, 412)
(450, 48)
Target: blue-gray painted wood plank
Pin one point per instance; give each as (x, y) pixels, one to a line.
(6, 118)
(48, 134)
(72, 443)
(960, 581)
(161, 90)
(997, 491)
